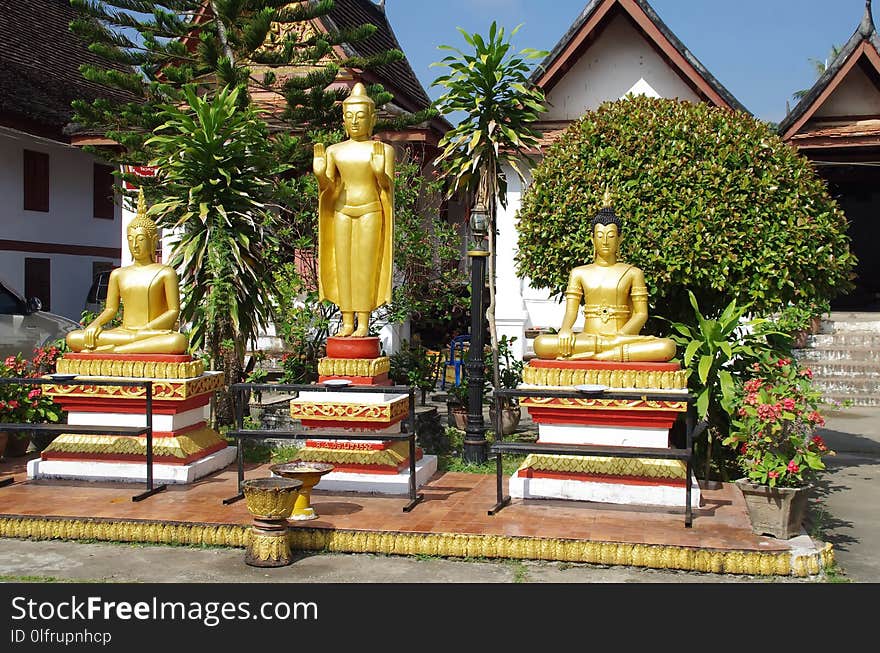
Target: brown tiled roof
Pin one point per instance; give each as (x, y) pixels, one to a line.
(862, 39)
(398, 77)
(39, 66)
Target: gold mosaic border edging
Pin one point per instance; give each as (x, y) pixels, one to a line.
(655, 468)
(624, 379)
(129, 368)
(354, 366)
(438, 544)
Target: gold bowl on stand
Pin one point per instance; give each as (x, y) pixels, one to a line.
(270, 501)
(309, 473)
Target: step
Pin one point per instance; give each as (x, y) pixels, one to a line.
(846, 386)
(854, 399)
(845, 368)
(865, 339)
(850, 321)
(810, 355)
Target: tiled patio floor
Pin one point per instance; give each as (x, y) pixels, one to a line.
(454, 510)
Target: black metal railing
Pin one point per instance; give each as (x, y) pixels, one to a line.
(131, 431)
(240, 392)
(500, 446)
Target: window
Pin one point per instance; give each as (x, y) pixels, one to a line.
(102, 192)
(36, 181)
(37, 280)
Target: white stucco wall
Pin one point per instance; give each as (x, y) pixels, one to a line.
(69, 220)
(619, 62)
(855, 96)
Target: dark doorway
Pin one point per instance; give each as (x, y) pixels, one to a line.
(38, 280)
(859, 197)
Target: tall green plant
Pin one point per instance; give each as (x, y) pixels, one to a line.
(490, 85)
(715, 350)
(214, 174)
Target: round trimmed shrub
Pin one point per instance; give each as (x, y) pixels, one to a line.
(712, 201)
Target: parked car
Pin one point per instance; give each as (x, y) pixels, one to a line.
(97, 296)
(24, 326)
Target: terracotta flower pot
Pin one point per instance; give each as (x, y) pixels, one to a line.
(510, 416)
(775, 511)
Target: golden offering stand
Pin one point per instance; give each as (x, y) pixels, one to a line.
(308, 474)
(270, 501)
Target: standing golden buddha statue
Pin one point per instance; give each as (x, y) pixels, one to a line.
(150, 299)
(615, 307)
(355, 217)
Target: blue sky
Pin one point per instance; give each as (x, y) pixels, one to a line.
(760, 50)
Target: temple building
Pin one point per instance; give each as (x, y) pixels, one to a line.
(59, 224)
(837, 126)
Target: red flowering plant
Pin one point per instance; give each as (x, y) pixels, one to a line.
(773, 429)
(22, 403)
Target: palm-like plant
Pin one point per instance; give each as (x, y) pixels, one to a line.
(214, 171)
(820, 67)
(490, 85)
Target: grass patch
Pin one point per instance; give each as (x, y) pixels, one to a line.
(452, 461)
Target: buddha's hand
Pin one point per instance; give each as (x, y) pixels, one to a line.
(565, 341)
(377, 161)
(319, 163)
(90, 336)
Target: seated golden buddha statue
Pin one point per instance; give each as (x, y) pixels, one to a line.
(615, 307)
(150, 299)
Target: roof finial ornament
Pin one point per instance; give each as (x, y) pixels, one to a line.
(866, 28)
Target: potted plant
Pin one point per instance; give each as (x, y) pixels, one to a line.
(778, 450)
(22, 404)
(510, 375)
(457, 404)
(412, 365)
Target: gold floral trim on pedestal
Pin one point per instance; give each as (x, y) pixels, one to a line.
(269, 546)
(354, 366)
(628, 405)
(607, 466)
(334, 411)
(167, 390)
(393, 455)
(177, 446)
(620, 379)
(132, 369)
(755, 563)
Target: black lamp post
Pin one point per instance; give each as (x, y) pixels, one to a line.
(475, 432)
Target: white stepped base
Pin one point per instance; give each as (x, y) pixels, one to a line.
(602, 492)
(93, 470)
(378, 483)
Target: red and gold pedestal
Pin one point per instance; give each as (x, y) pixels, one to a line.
(185, 448)
(640, 421)
(375, 465)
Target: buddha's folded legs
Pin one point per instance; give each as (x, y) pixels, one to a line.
(608, 348)
(129, 341)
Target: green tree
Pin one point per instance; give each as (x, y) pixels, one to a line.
(820, 67)
(713, 201)
(490, 85)
(212, 44)
(216, 172)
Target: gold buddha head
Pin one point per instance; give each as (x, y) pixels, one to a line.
(606, 227)
(143, 234)
(359, 113)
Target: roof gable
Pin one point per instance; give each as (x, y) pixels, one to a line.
(597, 16)
(857, 64)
